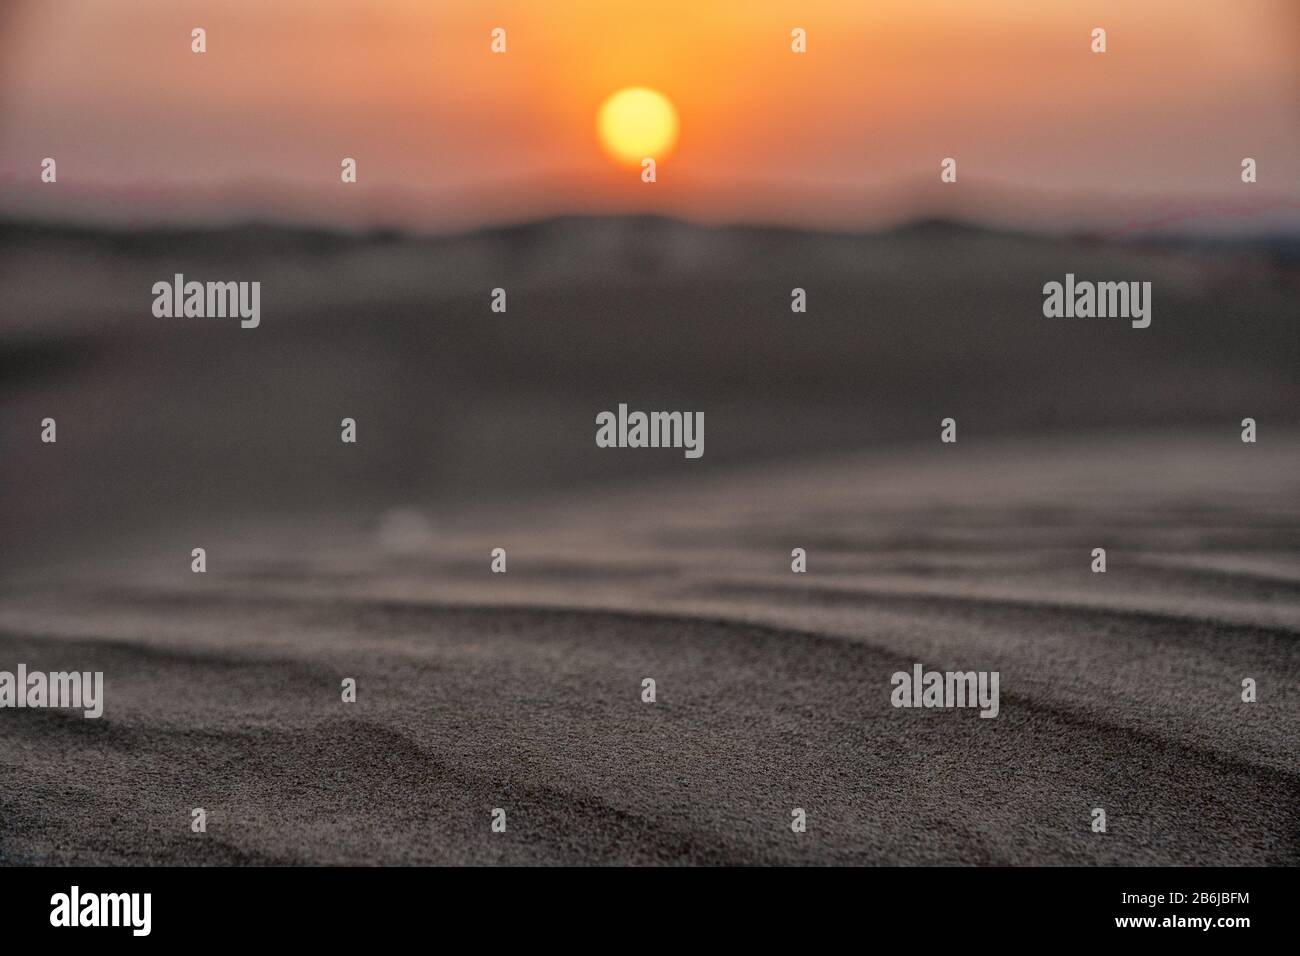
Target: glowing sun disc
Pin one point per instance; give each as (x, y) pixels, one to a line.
(636, 123)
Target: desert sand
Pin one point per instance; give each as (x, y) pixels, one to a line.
(523, 690)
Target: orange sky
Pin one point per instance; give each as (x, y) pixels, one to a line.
(448, 135)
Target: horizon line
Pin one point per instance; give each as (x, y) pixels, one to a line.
(93, 226)
(876, 207)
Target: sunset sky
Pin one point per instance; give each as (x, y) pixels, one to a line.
(448, 135)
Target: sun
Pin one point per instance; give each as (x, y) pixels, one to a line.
(636, 123)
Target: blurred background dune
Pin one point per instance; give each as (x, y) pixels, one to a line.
(186, 419)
